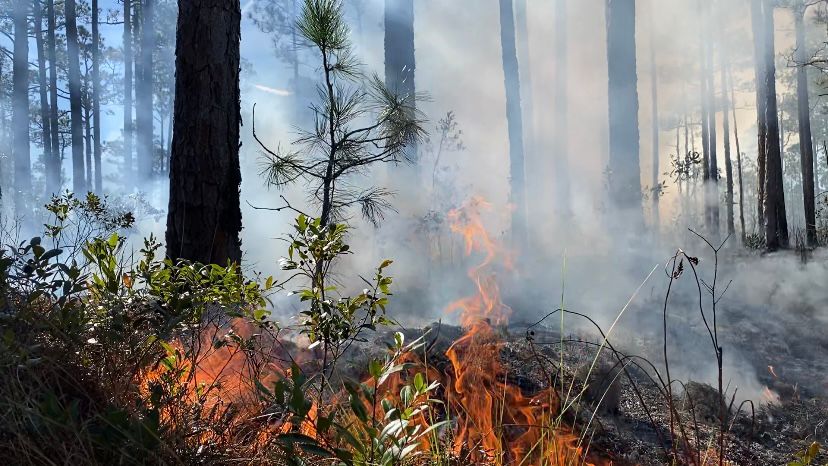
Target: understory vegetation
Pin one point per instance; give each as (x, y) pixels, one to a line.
(110, 358)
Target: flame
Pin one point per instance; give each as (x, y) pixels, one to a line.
(496, 421)
(772, 372)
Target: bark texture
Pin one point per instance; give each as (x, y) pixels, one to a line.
(75, 111)
(757, 26)
(53, 171)
(776, 223)
(204, 219)
(806, 144)
(43, 87)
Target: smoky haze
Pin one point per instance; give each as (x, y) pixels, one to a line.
(583, 254)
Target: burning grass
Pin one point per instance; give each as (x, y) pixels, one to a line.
(179, 363)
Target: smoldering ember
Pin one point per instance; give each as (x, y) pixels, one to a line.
(414, 232)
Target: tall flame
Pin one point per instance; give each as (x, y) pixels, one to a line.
(496, 421)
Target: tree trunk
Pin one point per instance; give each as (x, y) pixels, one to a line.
(713, 197)
(53, 165)
(514, 121)
(738, 157)
(705, 135)
(204, 219)
(76, 114)
(726, 136)
(400, 62)
(656, 192)
(625, 177)
(43, 87)
(143, 93)
(535, 180)
(806, 145)
(757, 25)
(776, 224)
(561, 103)
(96, 97)
(20, 110)
(87, 132)
(128, 64)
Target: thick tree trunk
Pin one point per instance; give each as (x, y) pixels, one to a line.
(53, 169)
(75, 111)
(806, 145)
(204, 219)
(776, 223)
(128, 66)
(143, 93)
(561, 103)
(624, 145)
(514, 120)
(96, 97)
(43, 87)
(757, 25)
(20, 110)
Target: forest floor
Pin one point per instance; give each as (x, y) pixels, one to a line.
(777, 352)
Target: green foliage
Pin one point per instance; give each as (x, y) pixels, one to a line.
(78, 331)
(358, 122)
(375, 427)
(332, 320)
(754, 241)
(807, 456)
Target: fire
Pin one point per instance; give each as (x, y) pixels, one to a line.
(496, 421)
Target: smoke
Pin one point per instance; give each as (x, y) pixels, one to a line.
(584, 258)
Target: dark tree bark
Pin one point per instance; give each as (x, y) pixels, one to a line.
(43, 87)
(128, 83)
(53, 171)
(656, 193)
(776, 223)
(624, 145)
(400, 65)
(76, 113)
(561, 103)
(143, 93)
(204, 219)
(96, 97)
(731, 227)
(713, 197)
(517, 169)
(806, 144)
(87, 126)
(738, 157)
(757, 26)
(20, 110)
(709, 139)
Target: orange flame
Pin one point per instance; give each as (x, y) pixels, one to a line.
(496, 421)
